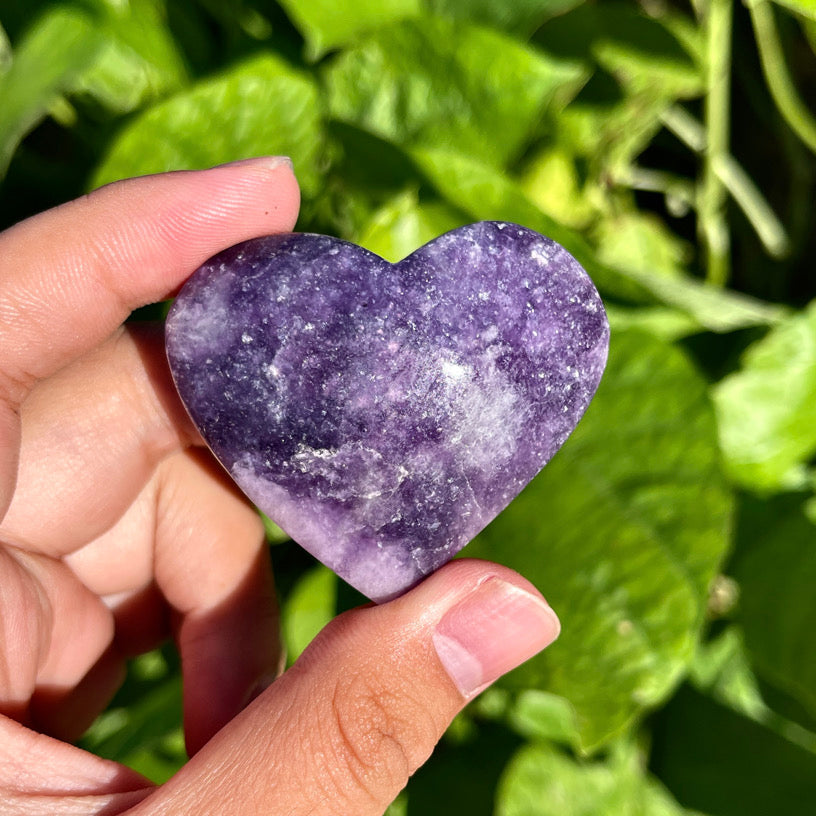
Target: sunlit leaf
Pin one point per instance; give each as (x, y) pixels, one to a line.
(55, 49)
(767, 409)
(641, 51)
(441, 83)
(807, 8)
(404, 225)
(138, 61)
(551, 182)
(263, 106)
(309, 607)
(519, 16)
(543, 781)
(325, 24)
(664, 322)
(641, 243)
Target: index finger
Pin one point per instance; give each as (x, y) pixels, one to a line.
(70, 276)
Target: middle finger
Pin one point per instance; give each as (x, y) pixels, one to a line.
(92, 435)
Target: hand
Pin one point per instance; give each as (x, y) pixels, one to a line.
(117, 530)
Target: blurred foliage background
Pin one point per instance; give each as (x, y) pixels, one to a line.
(670, 147)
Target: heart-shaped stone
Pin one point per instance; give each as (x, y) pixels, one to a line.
(382, 414)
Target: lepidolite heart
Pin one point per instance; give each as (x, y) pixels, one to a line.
(382, 414)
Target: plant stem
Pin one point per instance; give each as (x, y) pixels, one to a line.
(685, 127)
(753, 204)
(776, 73)
(713, 195)
(736, 181)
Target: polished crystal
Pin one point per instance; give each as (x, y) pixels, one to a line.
(382, 414)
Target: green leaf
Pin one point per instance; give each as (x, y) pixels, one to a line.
(716, 309)
(767, 409)
(543, 781)
(5, 52)
(713, 759)
(623, 531)
(326, 24)
(54, 50)
(551, 182)
(403, 225)
(539, 715)
(807, 8)
(485, 193)
(645, 63)
(809, 29)
(641, 51)
(610, 132)
(139, 60)
(309, 607)
(668, 324)
(722, 670)
(399, 807)
(161, 760)
(263, 106)
(518, 16)
(274, 534)
(441, 83)
(640, 242)
(775, 566)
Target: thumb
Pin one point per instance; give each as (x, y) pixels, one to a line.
(342, 731)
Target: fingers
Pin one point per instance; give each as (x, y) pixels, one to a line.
(107, 419)
(70, 276)
(364, 706)
(53, 631)
(213, 568)
(39, 774)
(192, 545)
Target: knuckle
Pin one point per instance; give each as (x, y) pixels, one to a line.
(381, 736)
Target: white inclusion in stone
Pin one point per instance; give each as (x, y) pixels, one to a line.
(453, 371)
(539, 254)
(246, 338)
(484, 417)
(484, 296)
(304, 454)
(200, 326)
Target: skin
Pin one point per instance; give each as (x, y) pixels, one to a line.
(118, 530)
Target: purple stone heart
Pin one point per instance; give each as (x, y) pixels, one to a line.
(382, 414)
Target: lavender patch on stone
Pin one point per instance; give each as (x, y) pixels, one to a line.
(382, 414)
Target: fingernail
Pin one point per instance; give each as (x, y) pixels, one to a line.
(270, 162)
(494, 629)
